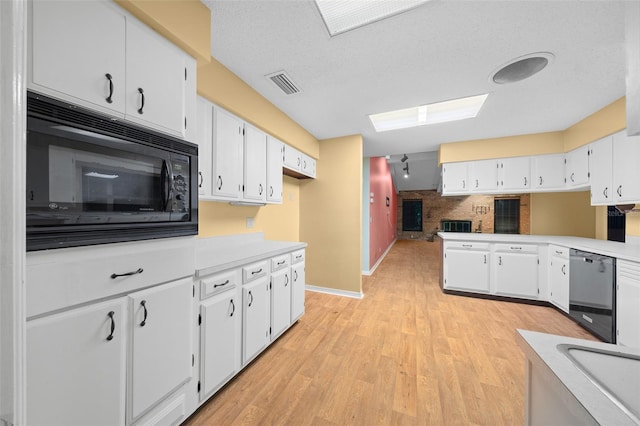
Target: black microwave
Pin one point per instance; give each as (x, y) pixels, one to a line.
(94, 179)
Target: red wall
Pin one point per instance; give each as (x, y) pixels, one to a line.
(383, 218)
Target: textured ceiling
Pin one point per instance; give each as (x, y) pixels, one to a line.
(438, 51)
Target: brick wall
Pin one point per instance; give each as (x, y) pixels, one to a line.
(477, 208)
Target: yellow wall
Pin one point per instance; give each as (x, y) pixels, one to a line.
(331, 216)
(604, 122)
(563, 213)
(278, 222)
(187, 23)
(510, 146)
(222, 87)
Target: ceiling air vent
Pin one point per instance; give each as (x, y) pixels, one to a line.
(284, 82)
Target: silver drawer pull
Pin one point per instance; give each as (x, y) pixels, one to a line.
(558, 252)
(137, 271)
(516, 248)
(299, 256)
(281, 262)
(467, 245)
(256, 272)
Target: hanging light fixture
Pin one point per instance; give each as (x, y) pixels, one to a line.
(406, 170)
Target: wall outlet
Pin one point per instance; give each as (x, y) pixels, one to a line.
(250, 222)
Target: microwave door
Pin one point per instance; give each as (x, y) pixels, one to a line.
(165, 185)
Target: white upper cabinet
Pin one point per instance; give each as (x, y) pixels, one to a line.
(626, 173)
(515, 174)
(308, 165)
(292, 158)
(577, 167)
(204, 126)
(255, 164)
(455, 179)
(483, 175)
(601, 170)
(157, 72)
(275, 151)
(227, 155)
(78, 53)
(548, 171)
(96, 55)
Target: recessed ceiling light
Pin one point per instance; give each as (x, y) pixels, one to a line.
(343, 15)
(440, 112)
(522, 67)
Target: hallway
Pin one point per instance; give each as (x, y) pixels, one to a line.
(404, 354)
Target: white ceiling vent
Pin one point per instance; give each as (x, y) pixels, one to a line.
(284, 82)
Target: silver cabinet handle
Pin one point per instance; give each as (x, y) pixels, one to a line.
(541, 180)
(525, 181)
(606, 190)
(499, 260)
(485, 259)
(572, 177)
(619, 191)
(564, 269)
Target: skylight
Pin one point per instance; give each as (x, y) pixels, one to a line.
(344, 15)
(440, 112)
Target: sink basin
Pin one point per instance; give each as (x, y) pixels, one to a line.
(616, 374)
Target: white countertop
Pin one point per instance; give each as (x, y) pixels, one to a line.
(217, 254)
(615, 249)
(541, 349)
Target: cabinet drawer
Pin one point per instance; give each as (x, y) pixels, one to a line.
(559, 251)
(279, 262)
(466, 245)
(516, 248)
(218, 283)
(297, 256)
(254, 271)
(62, 278)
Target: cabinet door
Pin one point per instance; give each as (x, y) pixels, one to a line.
(161, 319)
(601, 170)
(78, 52)
(219, 340)
(256, 300)
(516, 274)
(559, 282)
(515, 174)
(548, 171)
(454, 178)
(297, 291)
(577, 167)
(280, 301)
(483, 175)
(156, 80)
(292, 158)
(308, 165)
(275, 150)
(466, 270)
(255, 164)
(227, 155)
(628, 304)
(75, 373)
(626, 173)
(204, 140)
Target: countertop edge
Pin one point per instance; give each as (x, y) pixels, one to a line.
(541, 348)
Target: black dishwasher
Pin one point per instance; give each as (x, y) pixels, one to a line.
(592, 295)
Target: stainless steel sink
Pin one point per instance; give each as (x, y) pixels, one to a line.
(616, 374)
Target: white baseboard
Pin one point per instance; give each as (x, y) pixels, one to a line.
(335, 292)
(372, 270)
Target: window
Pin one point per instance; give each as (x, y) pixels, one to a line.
(506, 215)
(412, 215)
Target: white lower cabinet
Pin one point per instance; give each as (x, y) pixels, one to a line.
(280, 301)
(220, 337)
(628, 304)
(76, 366)
(466, 266)
(516, 270)
(559, 277)
(161, 354)
(298, 279)
(256, 299)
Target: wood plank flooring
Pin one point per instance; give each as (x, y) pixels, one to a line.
(405, 354)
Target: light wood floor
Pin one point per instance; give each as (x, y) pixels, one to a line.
(404, 354)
